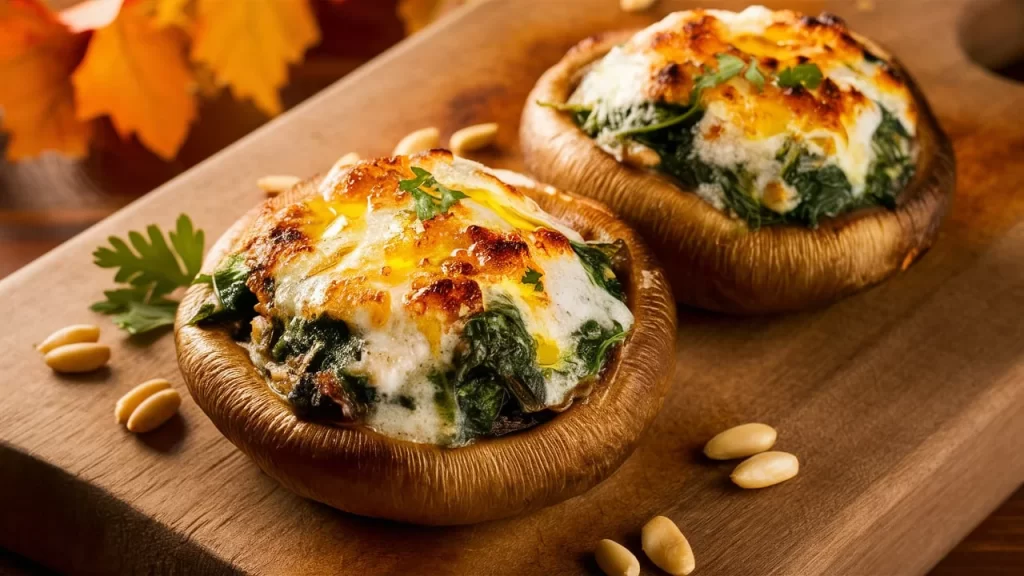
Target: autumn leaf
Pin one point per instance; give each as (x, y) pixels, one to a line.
(171, 13)
(37, 55)
(137, 74)
(249, 45)
(417, 14)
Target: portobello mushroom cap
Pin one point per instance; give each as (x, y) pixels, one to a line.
(715, 261)
(360, 471)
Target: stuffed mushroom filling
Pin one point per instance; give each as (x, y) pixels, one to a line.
(771, 117)
(425, 298)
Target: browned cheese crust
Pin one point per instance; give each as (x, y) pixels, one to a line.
(713, 260)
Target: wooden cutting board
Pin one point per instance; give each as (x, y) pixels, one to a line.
(905, 403)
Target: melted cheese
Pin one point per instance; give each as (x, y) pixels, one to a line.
(358, 252)
(746, 126)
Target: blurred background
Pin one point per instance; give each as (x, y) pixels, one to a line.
(102, 101)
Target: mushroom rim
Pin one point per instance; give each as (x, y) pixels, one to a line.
(366, 473)
(549, 137)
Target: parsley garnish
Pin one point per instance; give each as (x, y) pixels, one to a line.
(806, 75)
(428, 205)
(533, 277)
(754, 75)
(729, 67)
(149, 269)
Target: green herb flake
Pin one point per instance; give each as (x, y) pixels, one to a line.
(533, 277)
(807, 75)
(151, 268)
(426, 204)
(729, 67)
(754, 75)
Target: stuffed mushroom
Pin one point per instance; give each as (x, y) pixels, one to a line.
(417, 338)
(777, 161)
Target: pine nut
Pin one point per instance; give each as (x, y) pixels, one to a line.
(78, 357)
(639, 156)
(154, 411)
(615, 560)
(666, 546)
(741, 441)
(130, 401)
(418, 141)
(473, 137)
(765, 469)
(275, 184)
(70, 335)
(635, 5)
(346, 160)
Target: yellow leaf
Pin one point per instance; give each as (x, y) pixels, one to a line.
(138, 75)
(249, 45)
(171, 13)
(37, 55)
(417, 14)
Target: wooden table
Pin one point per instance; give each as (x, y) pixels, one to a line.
(47, 201)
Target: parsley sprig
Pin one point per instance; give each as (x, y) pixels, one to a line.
(427, 205)
(533, 277)
(148, 269)
(807, 75)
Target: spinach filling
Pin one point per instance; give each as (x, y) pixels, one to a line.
(493, 386)
(234, 300)
(823, 188)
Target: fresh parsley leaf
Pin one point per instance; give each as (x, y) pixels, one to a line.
(729, 67)
(806, 75)
(754, 75)
(427, 205)
(142, 317)
(533, 277)
(149, 267)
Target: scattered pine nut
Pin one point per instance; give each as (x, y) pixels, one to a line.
(473, 137)
(154, 411)
(346, 160)
(418, 141)
(741, 441)
(666, 546)
(275, 184)
(78, 357)
(640, 156)
(635, 5)
(73, 334)
(865, 5)
(765, 469)
(130, 401)
(615, 560)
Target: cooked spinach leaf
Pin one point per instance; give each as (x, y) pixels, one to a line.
(234, 299)
(324, 343)
(480, 399)
(893, 167)
(496, 346)
(592, 344)
(597, 261)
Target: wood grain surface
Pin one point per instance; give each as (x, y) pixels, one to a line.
(905, 403)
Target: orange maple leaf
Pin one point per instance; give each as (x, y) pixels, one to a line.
(137, 74)
(249, 45)
(37, 55)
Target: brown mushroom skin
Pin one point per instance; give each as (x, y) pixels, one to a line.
(359, 471)
(714, 261)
